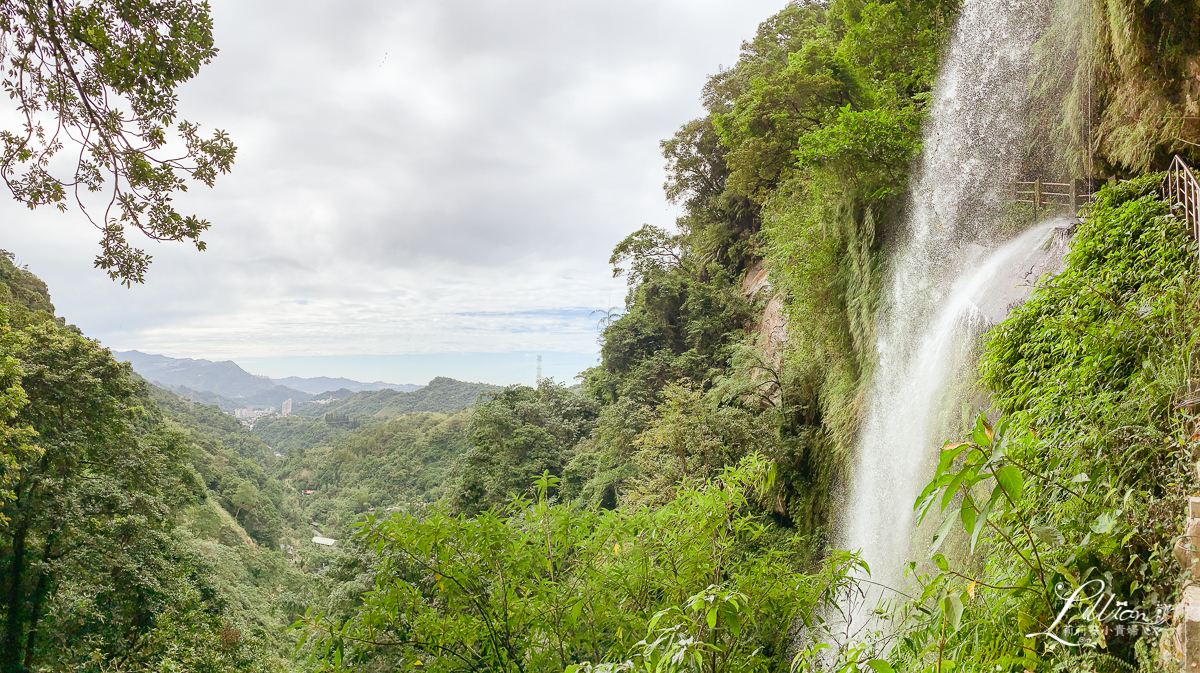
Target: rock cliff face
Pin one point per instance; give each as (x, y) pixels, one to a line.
(1181, 644)
(771, 326)
(770, 329)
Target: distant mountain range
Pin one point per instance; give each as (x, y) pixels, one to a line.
(320, 384)
(229, 386)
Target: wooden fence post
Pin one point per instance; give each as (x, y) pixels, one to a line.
(1037, 196)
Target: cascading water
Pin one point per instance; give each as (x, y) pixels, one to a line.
(973, 144)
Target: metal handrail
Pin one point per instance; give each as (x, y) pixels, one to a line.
(1180, 187)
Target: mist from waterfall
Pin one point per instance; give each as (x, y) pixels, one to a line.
(973, 144)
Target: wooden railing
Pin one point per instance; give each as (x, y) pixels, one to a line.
(1041, 194)
(1180, 188)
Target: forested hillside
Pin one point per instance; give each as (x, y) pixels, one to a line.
(129, 532)
(802, 162)
(19, 286)
(156, 531)
(442, 394)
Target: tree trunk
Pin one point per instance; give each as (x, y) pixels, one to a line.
(10, 644)
(39, 597)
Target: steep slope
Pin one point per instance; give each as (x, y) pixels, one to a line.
(406, 459)
(288, 434)
(19, 286)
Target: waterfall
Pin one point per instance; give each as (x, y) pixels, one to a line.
(947, 266)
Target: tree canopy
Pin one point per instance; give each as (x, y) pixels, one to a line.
(97, 80)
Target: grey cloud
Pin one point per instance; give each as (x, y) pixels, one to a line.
(275, 261)
(487, 166)
(514, 167)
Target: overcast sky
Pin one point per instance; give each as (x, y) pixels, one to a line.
(414, 178)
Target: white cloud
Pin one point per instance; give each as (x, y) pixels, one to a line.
(413, 177)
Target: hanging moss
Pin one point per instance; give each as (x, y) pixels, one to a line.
(1117, 91)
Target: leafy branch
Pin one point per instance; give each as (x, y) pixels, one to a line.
(101, 76)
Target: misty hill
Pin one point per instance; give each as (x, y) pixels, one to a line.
(318, 384)
(235, 385)
(442, 394)
(200, 396)
(224, 378)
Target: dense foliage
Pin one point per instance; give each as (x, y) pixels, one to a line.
(799, 164)
(293, 435)
(405, 459)
(95, 572)
(19, 286)
(1116, 90)
(517, 433)
(701, 583)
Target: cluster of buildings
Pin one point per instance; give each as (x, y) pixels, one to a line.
(252, 415)
(248, 415)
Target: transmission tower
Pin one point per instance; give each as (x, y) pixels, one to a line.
(539, 371)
